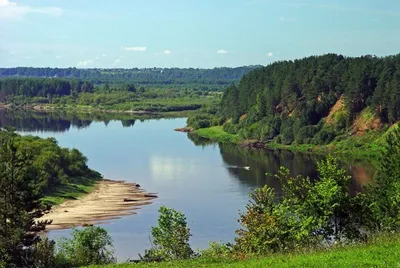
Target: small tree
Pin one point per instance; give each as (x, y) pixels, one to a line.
(91, 245)
(171, 236)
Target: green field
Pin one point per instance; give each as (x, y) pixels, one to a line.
(216, 133)
(383, 252)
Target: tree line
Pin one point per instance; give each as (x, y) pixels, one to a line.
(216, 77)
(42, 87)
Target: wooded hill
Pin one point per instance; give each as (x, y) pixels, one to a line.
(315, 99)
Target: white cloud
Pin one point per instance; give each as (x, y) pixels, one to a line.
(222, 51)
(58, 57)
(13, 11)
(83, 63)
(270, 54)
(167, 52)
(135, 49)
(117, 61)
(104, 55)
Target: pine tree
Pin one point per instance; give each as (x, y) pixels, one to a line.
(19, 203)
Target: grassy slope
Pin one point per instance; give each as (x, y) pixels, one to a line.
(385, 252)
(70, 191)
(218, 134)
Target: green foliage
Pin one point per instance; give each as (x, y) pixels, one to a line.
(306, 90)
(20, 204)
(171, 236)
(45, 255)
(382, 252)
(217, 251)
(130, 79)
(218, 134)
(307, 215)
(381, 201)
(91, 245)
(201, 120)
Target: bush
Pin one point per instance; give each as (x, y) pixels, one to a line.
(324, 136)
(201, 121)
(217, 251)
(229, 128)
(171, 236)
(307, 215)
(91, 245)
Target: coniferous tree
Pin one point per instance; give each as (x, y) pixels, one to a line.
(19, 203)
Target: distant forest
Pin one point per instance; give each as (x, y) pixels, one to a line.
(210, 79)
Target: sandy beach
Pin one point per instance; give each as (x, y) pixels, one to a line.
(110, 200)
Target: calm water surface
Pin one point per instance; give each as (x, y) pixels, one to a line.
(206, 181)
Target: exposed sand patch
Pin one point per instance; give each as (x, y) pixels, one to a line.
(110, 200)
(367, 120)
(338, 107)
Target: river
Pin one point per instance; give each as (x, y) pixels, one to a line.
(208, 182)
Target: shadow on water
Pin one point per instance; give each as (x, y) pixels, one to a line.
(250, 165)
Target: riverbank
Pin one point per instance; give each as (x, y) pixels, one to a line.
(382, 252)
(107, 200)
(86, 109)
(367, 147)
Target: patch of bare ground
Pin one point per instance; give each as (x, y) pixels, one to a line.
(366, 121)
(110, 200)
(338, 107)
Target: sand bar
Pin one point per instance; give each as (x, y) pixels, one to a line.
(110, 200)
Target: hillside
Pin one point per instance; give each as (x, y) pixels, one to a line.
(314, 100)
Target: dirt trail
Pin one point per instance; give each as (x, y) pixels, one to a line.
(110, 200)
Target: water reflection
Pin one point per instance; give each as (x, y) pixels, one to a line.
(62, 121)
(250, 166)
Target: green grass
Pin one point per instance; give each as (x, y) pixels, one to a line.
(217, 134)
(69, 191)
(367, 147)
(383, 252)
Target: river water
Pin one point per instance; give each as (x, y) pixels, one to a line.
(208, 182)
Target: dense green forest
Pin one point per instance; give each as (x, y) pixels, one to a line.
(208, 79)
(65, 93)
(314, 100)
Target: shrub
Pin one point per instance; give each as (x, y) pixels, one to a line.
(229, 128)
(307, 215)
(171, 236)
(202, 120)
(91, 245)
(217, 251)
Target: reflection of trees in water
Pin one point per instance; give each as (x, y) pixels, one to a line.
(265, 161)
(261, 162)
(199, 141)
(24, 120)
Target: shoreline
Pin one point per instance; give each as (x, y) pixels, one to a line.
(89, 109)
(109, 200)
(217, 134)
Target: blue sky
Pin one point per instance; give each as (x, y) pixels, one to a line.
(191, 33)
